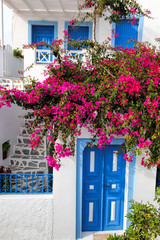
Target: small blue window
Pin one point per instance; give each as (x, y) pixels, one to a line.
(42, 33)
(81, 32)
(77, 33)
(126, 31)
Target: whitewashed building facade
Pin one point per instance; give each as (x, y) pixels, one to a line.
(60, 215)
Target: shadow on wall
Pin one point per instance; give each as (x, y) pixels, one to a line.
(11, 120)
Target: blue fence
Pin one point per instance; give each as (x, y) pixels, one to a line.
(11, 183)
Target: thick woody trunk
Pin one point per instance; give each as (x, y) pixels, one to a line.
(94, 23)
(94, 29)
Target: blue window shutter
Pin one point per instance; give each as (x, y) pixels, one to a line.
(126, 31)
(42, 33)
(78, 33)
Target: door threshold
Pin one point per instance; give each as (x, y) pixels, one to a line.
(99, 235)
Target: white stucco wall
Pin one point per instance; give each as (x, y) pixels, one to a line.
(1, 62)
(25, 217)
(151, 26)
(145, 182)
(65, 200)
(10, 122)
(36, 214)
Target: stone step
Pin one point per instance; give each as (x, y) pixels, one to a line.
(27, 170)
(30, 161)
(25, 139)
(25, 150)
(28, 121)
(26, 131)
(26, 146)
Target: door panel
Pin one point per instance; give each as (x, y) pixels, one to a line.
(103, 189)
(112, 210)
(92, 189)
(114, 183)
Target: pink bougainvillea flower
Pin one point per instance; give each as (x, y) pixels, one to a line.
(133, 10)
(52, 162)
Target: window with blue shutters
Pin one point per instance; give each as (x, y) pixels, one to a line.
(42, 31)
(126, 31)
(81, 32)
(77, 34)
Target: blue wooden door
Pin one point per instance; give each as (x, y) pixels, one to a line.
(103, 189)
(42, 33)
(126, 31)
(78, 33)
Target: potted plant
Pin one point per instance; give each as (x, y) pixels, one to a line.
(18, 53)
(5, 148)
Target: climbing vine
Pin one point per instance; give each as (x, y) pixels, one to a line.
(109, 92)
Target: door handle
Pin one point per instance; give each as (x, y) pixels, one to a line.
(106, 185)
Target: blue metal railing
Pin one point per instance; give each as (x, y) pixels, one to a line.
(11, 183)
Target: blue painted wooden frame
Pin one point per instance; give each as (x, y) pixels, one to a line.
(131, 185)
(30, 23)
(140, 30)
(81, 144)
(67, 23)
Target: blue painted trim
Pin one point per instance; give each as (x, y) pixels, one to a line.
(140, 30)
(112, 37)
(30, 23)
(131, 184)
(81, 144)
(67, 23)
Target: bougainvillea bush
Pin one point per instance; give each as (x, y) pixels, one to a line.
(113, 93)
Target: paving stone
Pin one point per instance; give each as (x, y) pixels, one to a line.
(100, 236)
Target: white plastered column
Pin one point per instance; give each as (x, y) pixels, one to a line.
(1, 37)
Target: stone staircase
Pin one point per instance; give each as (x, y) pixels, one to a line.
(24, 159)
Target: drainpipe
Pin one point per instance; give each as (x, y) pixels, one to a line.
(2, 39)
